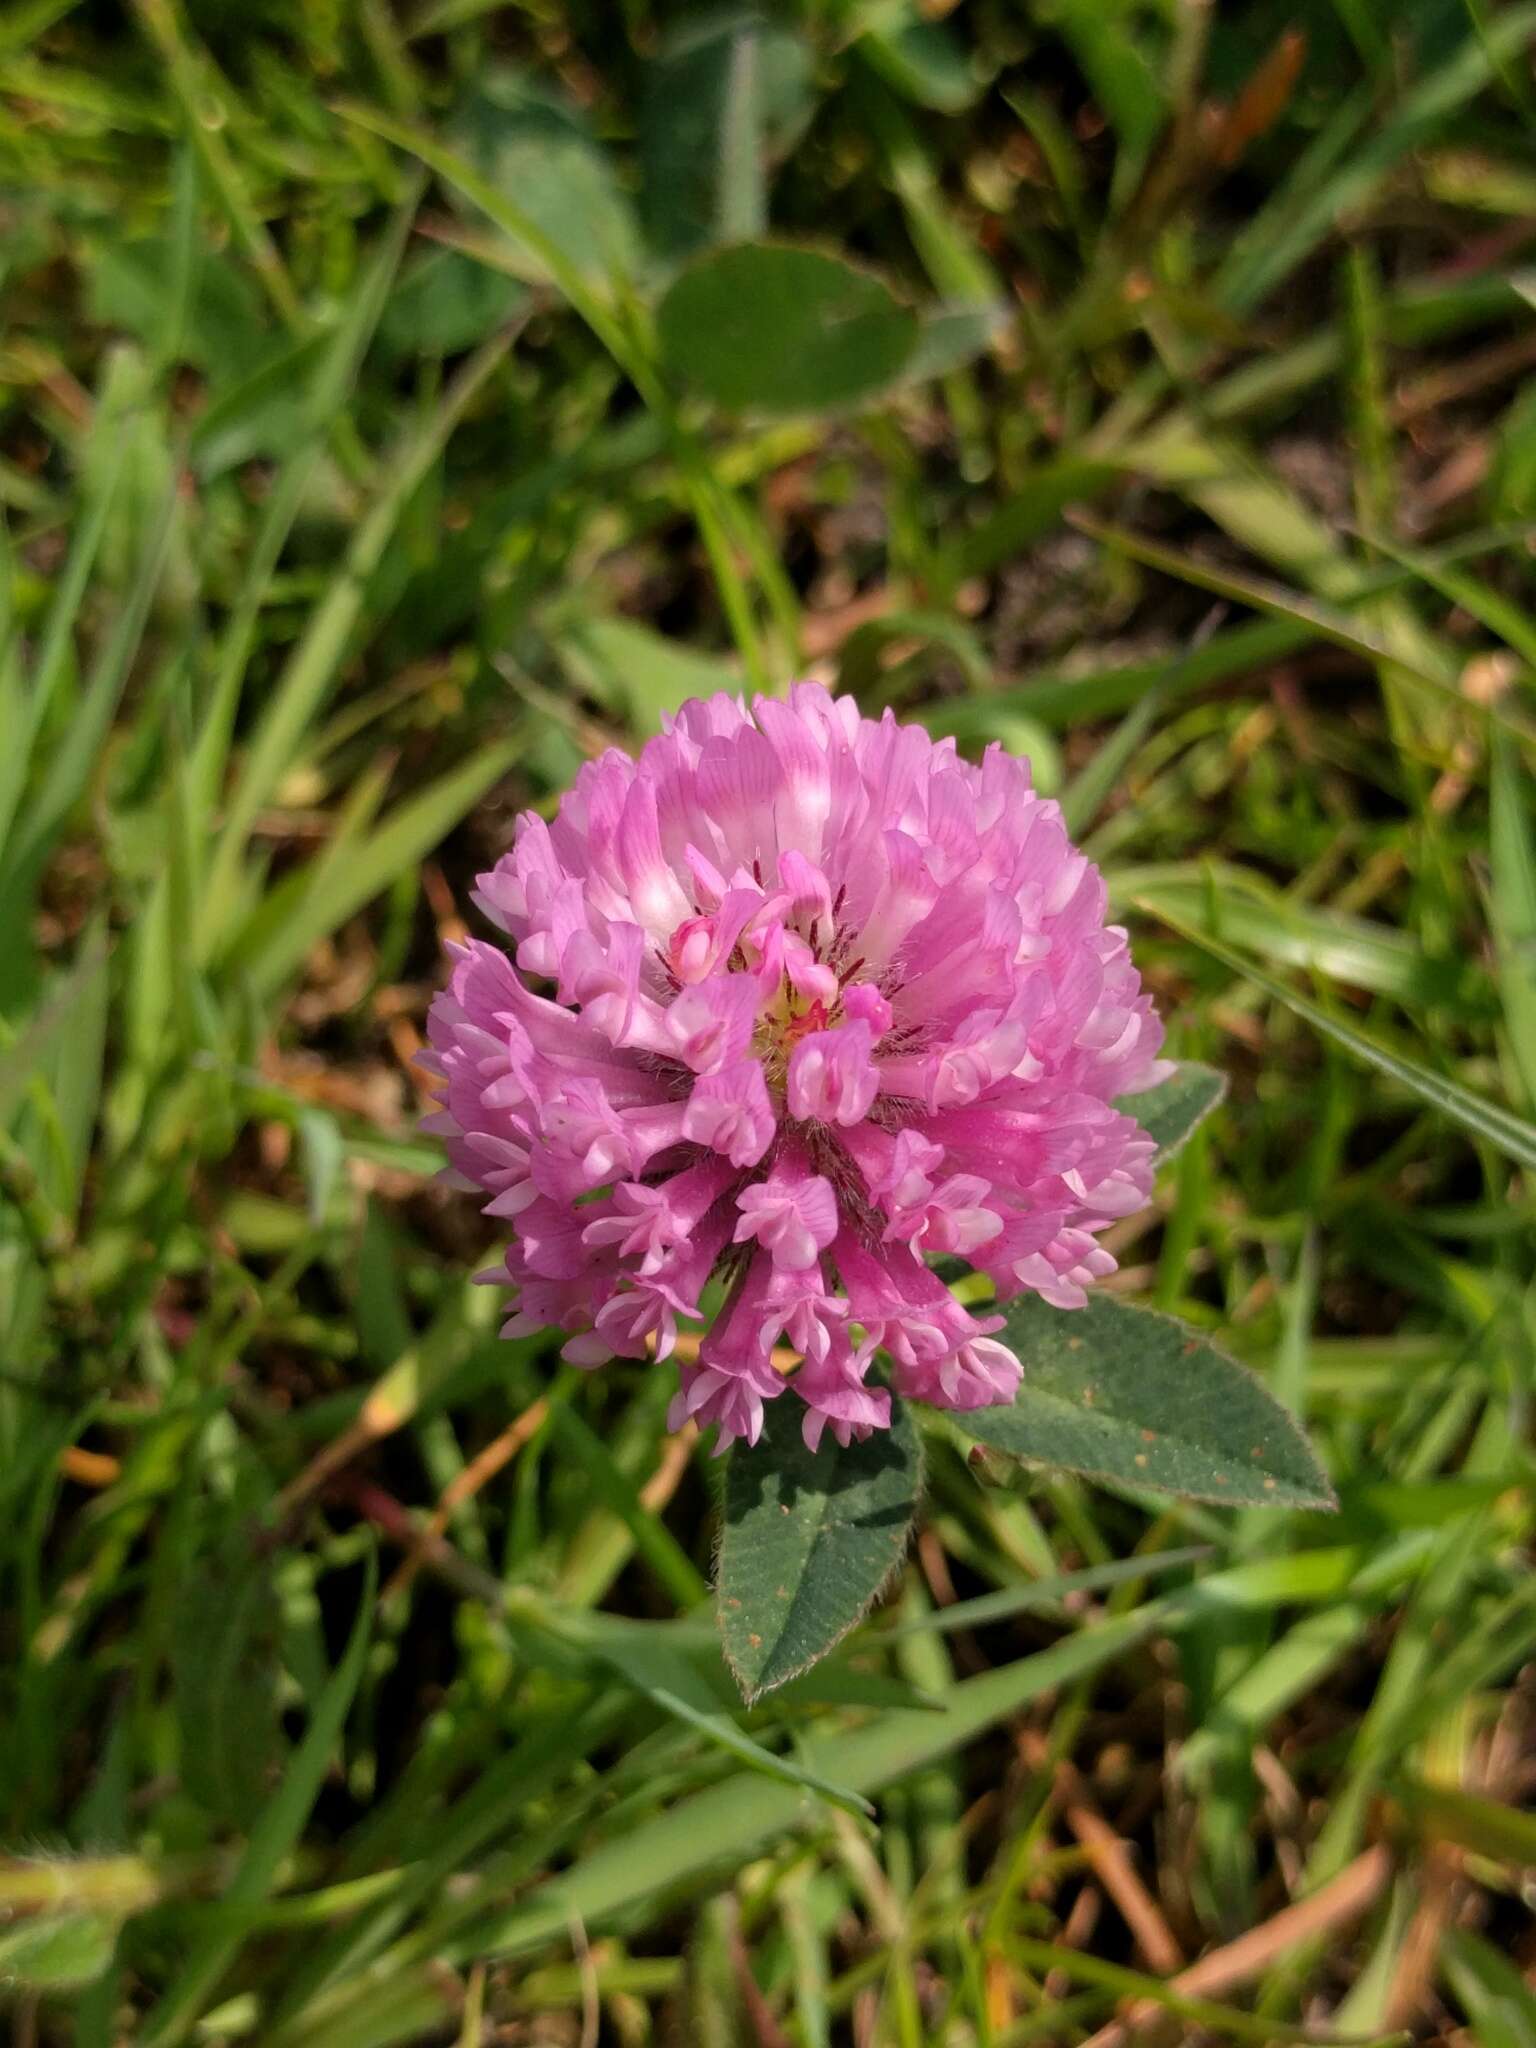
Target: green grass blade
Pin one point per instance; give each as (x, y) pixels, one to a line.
(1325, 621)
(1485, 1826)
(71, 765)
(1245, 910)
(1512, 897)
(55, 644)
(1269, 252)
(611, 1485)
(186, 70)
(718, 1829)
(310, 673)
(1510, 1134)
(668, 1683)
(358, 869)
(1048, 1592)
(176, 2013)
(334, 379)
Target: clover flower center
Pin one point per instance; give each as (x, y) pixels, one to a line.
(790, 1017)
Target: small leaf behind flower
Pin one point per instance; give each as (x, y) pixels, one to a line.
(1124, 1394)
(771, 327)
(808, 1539)
(1170, 1112)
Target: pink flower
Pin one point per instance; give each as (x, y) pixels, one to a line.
(822, 1000)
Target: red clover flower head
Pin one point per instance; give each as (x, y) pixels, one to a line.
(823, 1001)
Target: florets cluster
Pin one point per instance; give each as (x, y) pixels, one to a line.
(824, 1000)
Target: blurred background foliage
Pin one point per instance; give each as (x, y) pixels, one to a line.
(398, 403)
